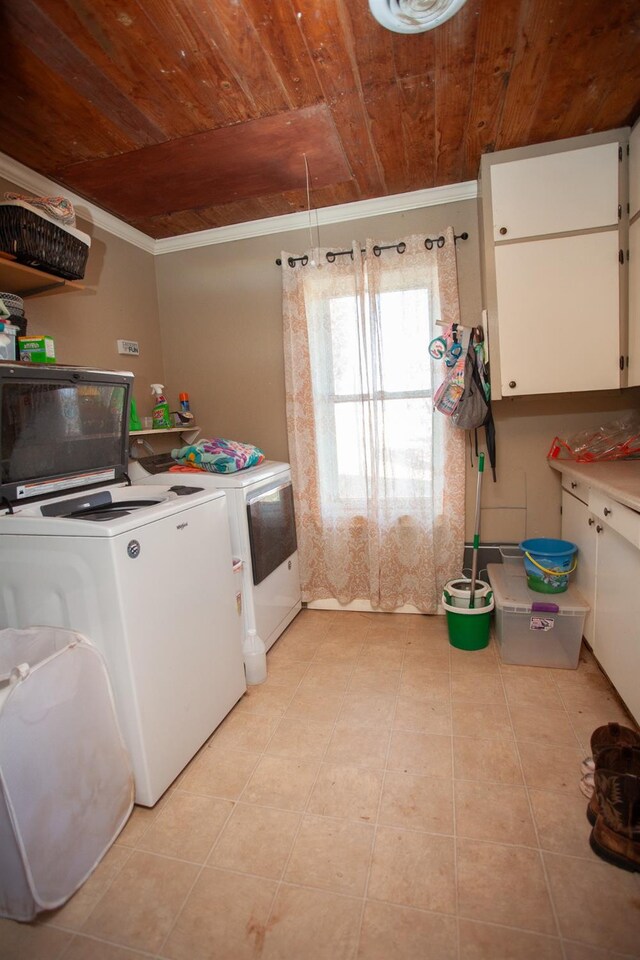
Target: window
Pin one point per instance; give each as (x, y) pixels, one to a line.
(374, 392)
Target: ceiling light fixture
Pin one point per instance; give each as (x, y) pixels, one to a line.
(413, 16)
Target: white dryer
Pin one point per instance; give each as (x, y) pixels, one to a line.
(144, 571)
(263, 536)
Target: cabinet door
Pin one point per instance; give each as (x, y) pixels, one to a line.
(634, 302)
(634, 257)
(578, 526)
(617, 622)
(558, 309)
(634, 171)
(557, 193)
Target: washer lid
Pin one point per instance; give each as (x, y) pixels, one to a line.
(61, 428)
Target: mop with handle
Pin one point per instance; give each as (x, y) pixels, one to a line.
(476, 534)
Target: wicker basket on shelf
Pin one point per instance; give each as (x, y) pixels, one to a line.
(37, 242)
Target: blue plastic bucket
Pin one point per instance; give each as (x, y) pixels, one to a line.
(548, 563)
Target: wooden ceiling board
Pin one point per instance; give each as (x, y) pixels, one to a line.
(279, 32)
(418, 114)
(90, 86)
(601, 98)
(413, 54)
(455, 59)
(59, 53)
(257, 158)
(497, 24)
(331, 44)
(384, 108)
(227, 30)
(535, 40)
(552, 117)
(54, 122)
(150, 53)
(372, 49)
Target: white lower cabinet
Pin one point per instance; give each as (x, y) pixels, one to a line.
(617, 621)
(578, 526)
(608, 575)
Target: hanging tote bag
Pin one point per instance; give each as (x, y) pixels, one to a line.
(448, 394)
(472, 407)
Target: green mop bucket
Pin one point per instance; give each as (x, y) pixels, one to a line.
(548, 563)
(469, 626)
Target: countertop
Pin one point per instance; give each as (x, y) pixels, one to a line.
(618, 478)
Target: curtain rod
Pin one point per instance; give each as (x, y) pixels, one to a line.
(331, 255)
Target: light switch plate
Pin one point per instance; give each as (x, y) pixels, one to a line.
(130, 347)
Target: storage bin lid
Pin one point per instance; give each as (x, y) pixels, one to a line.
(512, 595)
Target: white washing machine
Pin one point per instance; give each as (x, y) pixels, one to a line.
(263, 536)
(145, 572)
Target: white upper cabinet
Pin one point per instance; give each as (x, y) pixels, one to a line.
(557, 193)
(634, 257)
(558, 310)
(554, 270)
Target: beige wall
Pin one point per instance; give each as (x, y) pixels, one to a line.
(119, 301)
(525, 501)
(226, 302)
(213, 327)
(221, 317)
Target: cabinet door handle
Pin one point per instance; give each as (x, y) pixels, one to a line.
(512, 384)
(606, 511)
(591, 521)
(503, 230)
(599, 529)
(573, 484)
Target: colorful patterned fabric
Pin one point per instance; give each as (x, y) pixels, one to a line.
(218, 455)
(59, 208)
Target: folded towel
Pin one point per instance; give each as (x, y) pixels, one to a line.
(219, 455)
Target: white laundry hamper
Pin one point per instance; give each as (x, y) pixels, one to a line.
(66, 786)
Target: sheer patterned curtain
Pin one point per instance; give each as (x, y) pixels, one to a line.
(378, 475)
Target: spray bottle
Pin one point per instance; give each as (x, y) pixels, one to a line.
(184, 413)
(161, 414)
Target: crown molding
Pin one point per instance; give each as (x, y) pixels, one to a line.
(358, 210)
(35, 183)
(27, 179)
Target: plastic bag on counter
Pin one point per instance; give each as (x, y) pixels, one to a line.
(616, 440)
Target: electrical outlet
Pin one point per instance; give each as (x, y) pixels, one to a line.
(130, 347)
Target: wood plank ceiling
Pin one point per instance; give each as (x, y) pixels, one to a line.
(181, 115)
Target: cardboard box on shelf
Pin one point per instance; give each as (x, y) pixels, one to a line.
(37, 349)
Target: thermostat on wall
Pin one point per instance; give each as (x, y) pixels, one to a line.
(130, 347)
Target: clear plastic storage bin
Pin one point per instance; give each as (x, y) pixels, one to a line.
(512, 559)
(533, 629)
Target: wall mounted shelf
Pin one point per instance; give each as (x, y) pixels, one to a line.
(159, 432)
(27, 281)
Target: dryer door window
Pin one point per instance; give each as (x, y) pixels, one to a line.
(272, 530)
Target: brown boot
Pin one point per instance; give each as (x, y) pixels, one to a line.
(604, 747)
(616, 834)
(613, 735)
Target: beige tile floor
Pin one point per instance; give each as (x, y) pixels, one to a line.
(382, 796)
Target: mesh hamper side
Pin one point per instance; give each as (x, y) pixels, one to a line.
(65, 777)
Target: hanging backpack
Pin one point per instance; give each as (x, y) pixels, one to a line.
(473, 406)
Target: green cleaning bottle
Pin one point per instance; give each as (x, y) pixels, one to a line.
(160, 413)
(134, 419)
